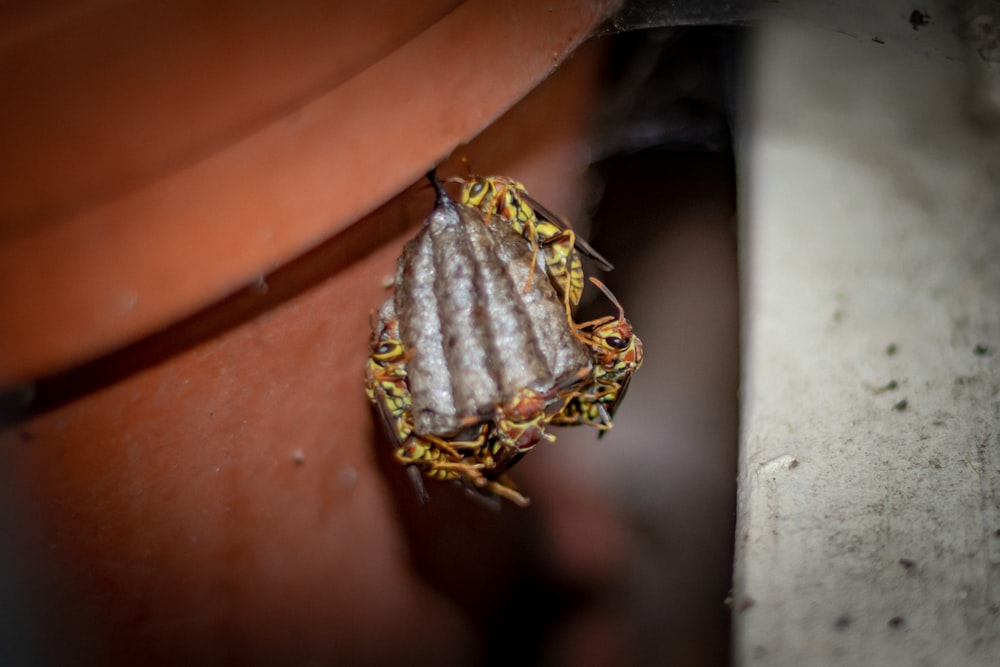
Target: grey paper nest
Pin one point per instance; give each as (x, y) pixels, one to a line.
(477, 331)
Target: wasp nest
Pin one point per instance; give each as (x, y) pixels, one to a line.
(476, 352)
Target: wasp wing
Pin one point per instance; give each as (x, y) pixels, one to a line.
(613, 408)
(581, 245)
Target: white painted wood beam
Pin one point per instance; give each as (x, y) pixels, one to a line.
(869, 484)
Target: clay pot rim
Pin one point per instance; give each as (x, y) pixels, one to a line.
(106, 277)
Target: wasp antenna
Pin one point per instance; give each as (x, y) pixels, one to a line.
(601, 286)
(465, 161)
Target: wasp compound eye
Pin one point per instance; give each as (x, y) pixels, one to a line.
(618, 343)
(387, 350)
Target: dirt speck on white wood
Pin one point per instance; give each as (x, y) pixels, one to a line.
(869, 487)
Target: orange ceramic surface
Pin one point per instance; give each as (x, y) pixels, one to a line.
(159, 157)
(198, 479)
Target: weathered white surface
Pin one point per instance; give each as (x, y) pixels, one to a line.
(869, 513)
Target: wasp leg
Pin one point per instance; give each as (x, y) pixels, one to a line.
(529, 231)
(433, 459)
(504, 488)
(587, 338)
(453, 447)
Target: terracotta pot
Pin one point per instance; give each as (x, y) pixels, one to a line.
(198, 207)
(156, 160)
